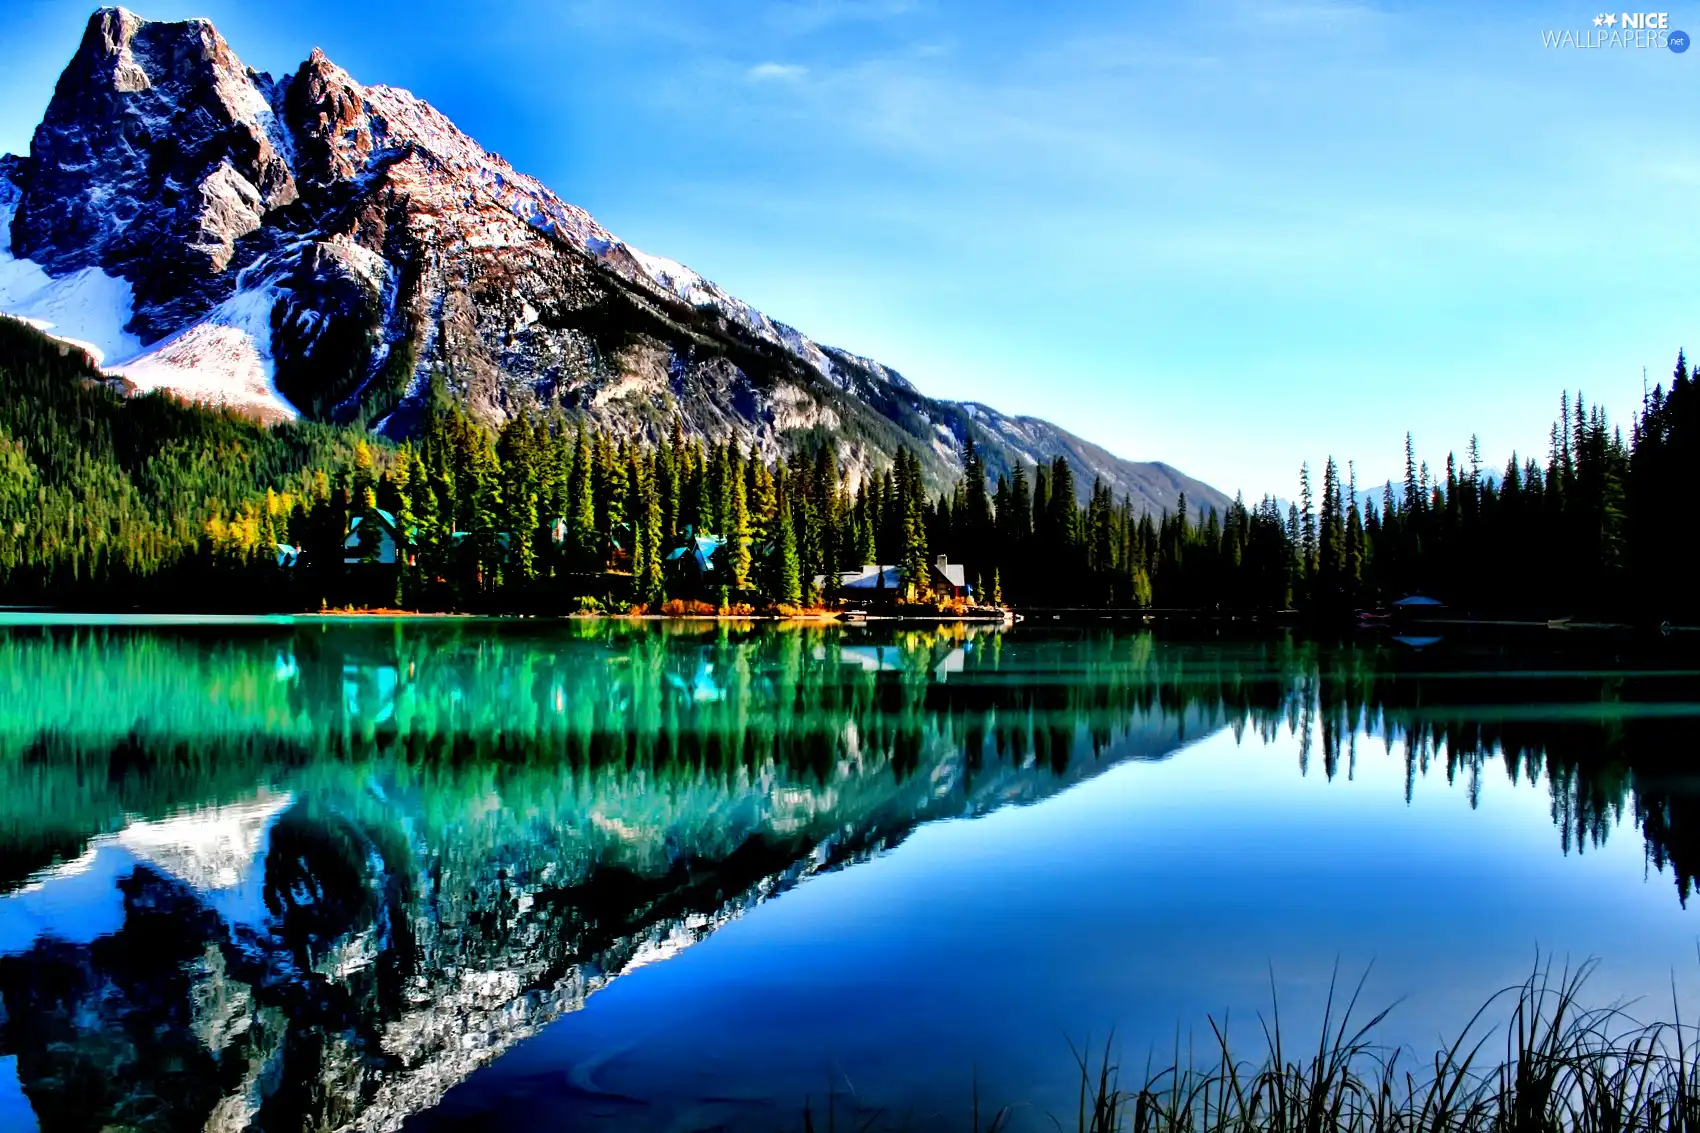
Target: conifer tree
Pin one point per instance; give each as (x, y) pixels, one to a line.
(363, 495)
(787, 585)
(1331, 543)
(1063, 510)
(1307, 528)
(867, 520)
(912, 527)
(807, 519)
(583, 524)
(430, 539)
(519, 480)
(644, 508)
(1355, 540)
(976, 510)
(699, 503)
(406, 526)
(489, 540)
(738, 537)
(669, 478)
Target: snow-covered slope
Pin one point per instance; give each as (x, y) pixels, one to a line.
(312, 244)
(223, 359)
(87, 308)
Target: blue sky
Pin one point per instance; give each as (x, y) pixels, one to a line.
(1233, 237)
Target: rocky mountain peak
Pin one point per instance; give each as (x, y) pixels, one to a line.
(316, 246)
(326, 113)
(158, 153)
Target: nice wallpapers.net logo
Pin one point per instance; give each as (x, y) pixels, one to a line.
(1635, 30)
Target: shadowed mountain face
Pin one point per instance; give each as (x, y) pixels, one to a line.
(312, 244)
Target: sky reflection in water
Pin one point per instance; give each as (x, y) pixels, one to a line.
(327, 871)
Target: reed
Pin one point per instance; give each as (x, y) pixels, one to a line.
(1565, 1068)
(1532, 1059)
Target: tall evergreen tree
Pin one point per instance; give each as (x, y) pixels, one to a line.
(584, 533)
(407, 527)
(739, 532)
(787, 584)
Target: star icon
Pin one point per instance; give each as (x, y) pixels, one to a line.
(1598, 20)
(1611, 21)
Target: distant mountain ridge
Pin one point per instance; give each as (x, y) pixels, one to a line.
(311, 245)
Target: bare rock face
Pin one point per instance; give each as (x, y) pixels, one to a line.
(11, 179)
(159, 152)
(326, 112)
(392, 251)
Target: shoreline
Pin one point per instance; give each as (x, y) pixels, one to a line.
(18, 616)
(1008, 618)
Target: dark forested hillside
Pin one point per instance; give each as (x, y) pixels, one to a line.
(116, 502)
(105, 498)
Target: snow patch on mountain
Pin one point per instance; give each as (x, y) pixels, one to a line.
(87, 308)
(674, 277)
(671, 274)
(223, 360)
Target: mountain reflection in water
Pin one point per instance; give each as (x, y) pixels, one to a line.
(312, 876)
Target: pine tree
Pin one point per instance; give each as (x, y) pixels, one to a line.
(1307, 529)
(975, 522)
(363, 494)
(867, 520)
(698, 507)
(1064, 512)
(489, 541)
(720, 490)
(787, 586)
(912, 534)
(406, 525)
(1355, 541)
(738, 537)
(807, 519)
(1331, 543)
(1413, 501)
(646, 515)
(668, 479)
(763, 502)
(519, 479)
(431, 539)
(583, 525)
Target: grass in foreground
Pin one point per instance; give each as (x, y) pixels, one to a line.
(1550, 1065)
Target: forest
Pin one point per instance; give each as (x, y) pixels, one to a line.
(114, 502)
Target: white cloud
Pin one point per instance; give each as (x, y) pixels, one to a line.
(776, 72)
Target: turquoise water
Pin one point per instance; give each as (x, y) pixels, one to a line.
(480, 875)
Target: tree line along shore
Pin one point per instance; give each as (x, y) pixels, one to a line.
(115, 502)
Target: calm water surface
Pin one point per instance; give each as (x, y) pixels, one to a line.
(523, 876)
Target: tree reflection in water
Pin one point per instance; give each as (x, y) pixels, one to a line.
(327, 870)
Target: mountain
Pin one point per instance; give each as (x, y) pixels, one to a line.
(309, 245)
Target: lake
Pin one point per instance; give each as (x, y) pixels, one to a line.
(452, 874)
